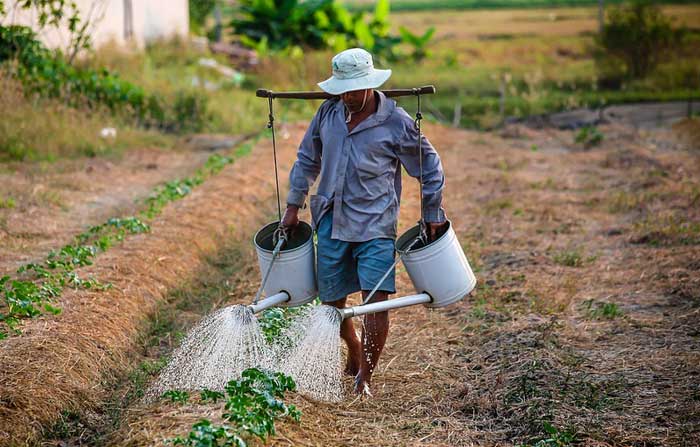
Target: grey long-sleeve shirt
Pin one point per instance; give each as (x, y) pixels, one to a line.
(361, 170)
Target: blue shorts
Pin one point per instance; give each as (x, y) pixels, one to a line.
(347, 267)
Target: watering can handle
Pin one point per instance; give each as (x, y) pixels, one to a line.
(278, 247)
(396, 262)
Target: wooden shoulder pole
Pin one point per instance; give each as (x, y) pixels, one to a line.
(264, 93)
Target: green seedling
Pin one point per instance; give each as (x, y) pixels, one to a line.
(31, 297)
(7, 203)
(589, 136)
(177, 396)
(555, 437)
(209, 395)
(602, 310)
(204, 434)
(252, 404)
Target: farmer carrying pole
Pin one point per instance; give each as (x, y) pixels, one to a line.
(358, 142)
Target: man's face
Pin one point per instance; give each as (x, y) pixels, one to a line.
(354, 99)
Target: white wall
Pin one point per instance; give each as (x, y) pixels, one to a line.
(152, 19)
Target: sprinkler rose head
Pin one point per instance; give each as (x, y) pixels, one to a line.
(339, 312)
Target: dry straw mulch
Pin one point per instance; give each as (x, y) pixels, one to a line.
(555, 234)
(63, 363)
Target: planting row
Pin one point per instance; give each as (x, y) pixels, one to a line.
(36, 285)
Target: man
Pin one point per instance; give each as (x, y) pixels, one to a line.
(358, 143)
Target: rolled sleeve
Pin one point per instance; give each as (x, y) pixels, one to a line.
(308, 164)
(433, 175)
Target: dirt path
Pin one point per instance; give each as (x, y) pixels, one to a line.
(51, 203)
(650, 115)
(584, 323)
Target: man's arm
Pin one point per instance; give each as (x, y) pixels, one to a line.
(304, 172)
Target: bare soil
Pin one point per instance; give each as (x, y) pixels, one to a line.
(55, 201)
(585, 318)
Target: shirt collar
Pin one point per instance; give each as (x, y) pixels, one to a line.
(385, 108)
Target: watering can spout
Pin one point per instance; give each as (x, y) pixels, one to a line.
(381, 306)
(270, 301)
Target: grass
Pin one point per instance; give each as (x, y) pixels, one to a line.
(625, 201)
(601, 310)
(161, 334)
(667, 228)
(496, 205)
(537, 391)
(569, 258)
(167, 67)
(542, 58)
(38, 285)
(7, 203)
(47, 130)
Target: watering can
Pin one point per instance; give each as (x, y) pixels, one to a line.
(439, 271)
(289, 272)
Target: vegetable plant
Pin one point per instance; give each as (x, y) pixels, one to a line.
(252, 404)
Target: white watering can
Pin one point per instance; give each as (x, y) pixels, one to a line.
(439, 271)
(288, 267)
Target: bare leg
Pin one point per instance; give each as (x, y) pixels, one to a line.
(374, 333)
(348, 334)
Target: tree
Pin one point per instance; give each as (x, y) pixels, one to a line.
(639, 35)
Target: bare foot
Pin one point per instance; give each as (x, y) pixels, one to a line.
(362, 387)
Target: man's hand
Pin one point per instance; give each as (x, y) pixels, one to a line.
(435, 230)
(290, 218)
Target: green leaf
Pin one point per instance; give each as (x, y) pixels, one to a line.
(381, 11)
(427, 35)
(363, 35)
(52, 309)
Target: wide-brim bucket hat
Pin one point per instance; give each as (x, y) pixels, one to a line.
(353, 69)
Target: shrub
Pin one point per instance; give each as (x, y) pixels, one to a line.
(588, 137)
(281, 24)
(639, 36)
(49, 75)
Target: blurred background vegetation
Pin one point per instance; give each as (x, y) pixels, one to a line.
(489, 59)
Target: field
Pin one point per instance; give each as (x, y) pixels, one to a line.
(542, 59)
(583, 329)
(585, 316)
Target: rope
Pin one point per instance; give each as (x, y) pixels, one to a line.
(419, 116)
(278, 247)
(396, 262)
(271, 126)
(279, 237)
